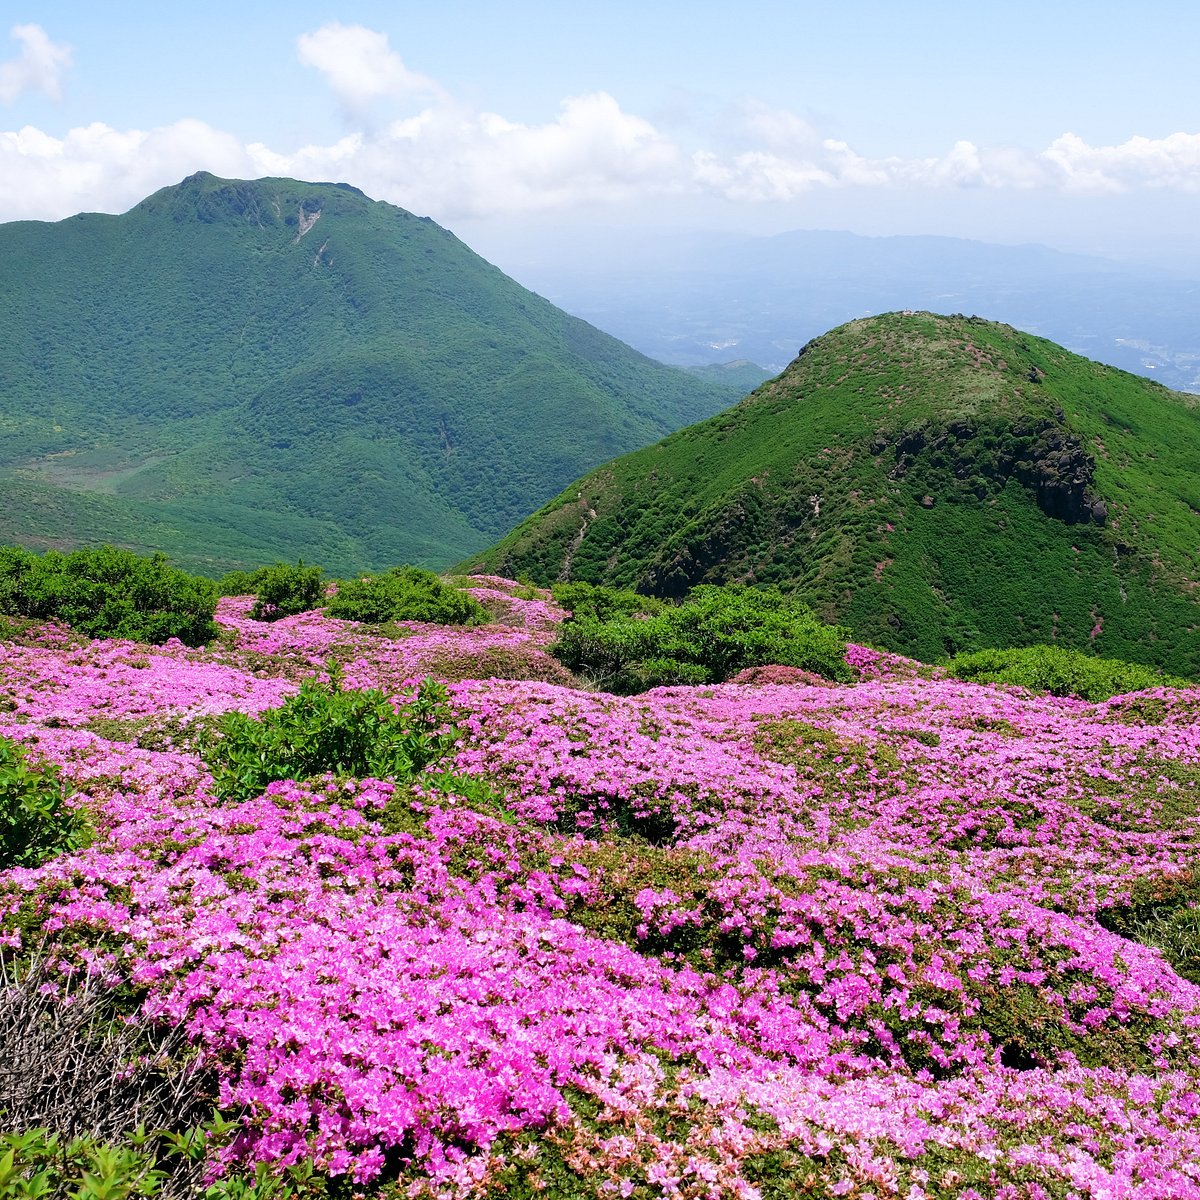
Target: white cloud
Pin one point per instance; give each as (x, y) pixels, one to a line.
(98, 168)
(1170, 162)
(454, 162)
(360, 66)
(39, 67)
(778, 128)
(1067, 165)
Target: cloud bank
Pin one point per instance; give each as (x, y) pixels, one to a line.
(438, 156)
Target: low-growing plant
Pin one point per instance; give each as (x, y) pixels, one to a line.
(405, 594)
(1164, 912)
(325, 728)
(1060, 672)
(35, 819)
(715, 633)
(285, 590)
(109, 593)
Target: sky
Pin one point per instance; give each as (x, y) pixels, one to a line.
(1075, 125)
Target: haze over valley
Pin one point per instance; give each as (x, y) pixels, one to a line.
(694, 299)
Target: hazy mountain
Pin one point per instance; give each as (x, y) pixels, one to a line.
(239, 371)
(692, 299)
(938, 483)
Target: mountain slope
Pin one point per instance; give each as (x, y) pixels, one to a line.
(272, 368)
(939, 483)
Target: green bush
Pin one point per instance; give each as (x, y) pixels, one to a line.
(35, 820)
(603, 603)
(1059, 672)
(405, 594)
(717, 632)
(241, 583)
(108, 593)
(37, 1163)
(324, 728)
(284, 591)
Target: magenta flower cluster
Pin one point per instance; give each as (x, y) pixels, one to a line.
(857, 933)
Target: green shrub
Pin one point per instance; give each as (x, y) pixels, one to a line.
(405, 594)
(1059, 672)
(108, 593)
(241, 583)
(284, 591)
(35, 820)
(324, 728)
(603, 603)
(37, 1164)
(717, 632)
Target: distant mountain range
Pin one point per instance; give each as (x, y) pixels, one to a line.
(695, 299)
(937, 483)
(237, 372)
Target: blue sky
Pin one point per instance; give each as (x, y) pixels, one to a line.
(1068, 123)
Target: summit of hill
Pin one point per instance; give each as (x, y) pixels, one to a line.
(938, 483)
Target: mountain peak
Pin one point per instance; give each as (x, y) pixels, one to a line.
(265, 203)
(937, 482)
(238, 371)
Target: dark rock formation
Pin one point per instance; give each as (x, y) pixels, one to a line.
(1044, 456)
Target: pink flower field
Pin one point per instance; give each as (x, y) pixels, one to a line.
(907, 937)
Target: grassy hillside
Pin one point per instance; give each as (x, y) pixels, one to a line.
(938, 483)
(240, 371)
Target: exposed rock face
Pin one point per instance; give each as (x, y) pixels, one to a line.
(1043, 456)
(1062, 474)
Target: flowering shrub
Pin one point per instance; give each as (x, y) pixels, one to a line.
(912, 938)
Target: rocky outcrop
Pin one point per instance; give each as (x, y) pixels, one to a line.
(1044, 456)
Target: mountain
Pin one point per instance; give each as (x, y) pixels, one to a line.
(696, 298)
(938, 483)
(242, 371)
(740, 372)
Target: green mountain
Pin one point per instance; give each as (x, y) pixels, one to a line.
(937, 483)
(236, 372)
